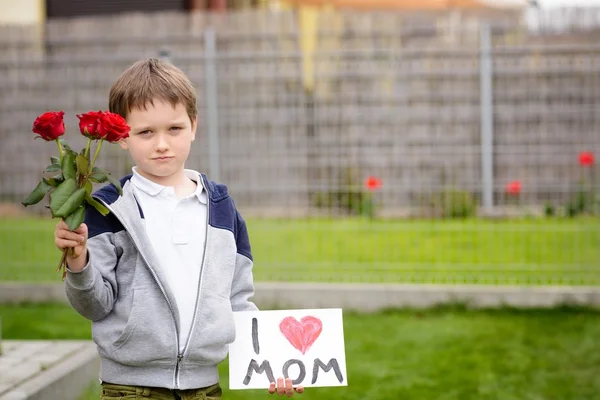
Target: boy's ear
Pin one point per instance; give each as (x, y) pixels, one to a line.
(194, 126)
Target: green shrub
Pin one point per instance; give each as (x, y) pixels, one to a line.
(583, 202)
(349, 200)
(347, 194)
(453, 203)
(549, 210)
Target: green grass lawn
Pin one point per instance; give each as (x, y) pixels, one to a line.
(446, 353)
(528, 251)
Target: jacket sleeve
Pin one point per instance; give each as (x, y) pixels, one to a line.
(93, 291)
(242, 287)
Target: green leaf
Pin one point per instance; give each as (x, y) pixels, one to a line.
(54, 181)
(98, 170)
(116, 183)
(64, 144)
(93, 202)
(109, 177)
(53, 168)
(54, 160)
(62, 194)
(75, 219)
(68, 166)
(74, 201)
(98, 178)
(83, 164)
(88, 188)
(53, 178)
(37, 194)
(97, 205)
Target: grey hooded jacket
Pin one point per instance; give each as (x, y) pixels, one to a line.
(135, 321)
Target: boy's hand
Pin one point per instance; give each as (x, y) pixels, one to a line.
(76, 240)
(284, 388)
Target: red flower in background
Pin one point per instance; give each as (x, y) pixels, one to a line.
(513, 188)
(586, 158)
(373, 183)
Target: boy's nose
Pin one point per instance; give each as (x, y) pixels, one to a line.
(161, 143)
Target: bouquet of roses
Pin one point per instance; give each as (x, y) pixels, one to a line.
(68, 179)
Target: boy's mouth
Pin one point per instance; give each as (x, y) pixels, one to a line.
(162, 158)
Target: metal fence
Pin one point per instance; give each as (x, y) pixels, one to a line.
(392, 151)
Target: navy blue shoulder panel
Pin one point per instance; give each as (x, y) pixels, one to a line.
(224, 215)
(98, 223)
(241, 237)
(108, 193)
(222, 210)
(216, 191)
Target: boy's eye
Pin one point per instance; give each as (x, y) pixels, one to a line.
(176, 128)
(144, 132)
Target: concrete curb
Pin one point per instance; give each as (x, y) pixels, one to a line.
(377, 297)
(364, 297)
(17, 292)
(65, 380)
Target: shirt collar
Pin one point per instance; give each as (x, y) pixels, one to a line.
(153, 189)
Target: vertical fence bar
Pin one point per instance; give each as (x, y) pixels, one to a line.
(212, 112)
(164, 55)
(487, 118)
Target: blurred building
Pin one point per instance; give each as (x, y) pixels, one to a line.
(22, 12)
(36, 11)
(408, 5)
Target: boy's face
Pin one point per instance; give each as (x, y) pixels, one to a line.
(160, 140)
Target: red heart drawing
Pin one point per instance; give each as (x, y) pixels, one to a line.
(301, 334)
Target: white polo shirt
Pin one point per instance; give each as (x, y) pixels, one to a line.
(177, 230)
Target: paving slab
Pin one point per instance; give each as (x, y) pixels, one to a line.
(46, 370)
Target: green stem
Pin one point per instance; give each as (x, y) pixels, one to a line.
(86, 177)
(87, 148)
(60, 150)
(96, 154)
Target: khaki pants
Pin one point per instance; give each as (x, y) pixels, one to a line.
(112, 392)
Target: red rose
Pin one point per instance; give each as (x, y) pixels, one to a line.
(88, 124)
(50, 125)
(112, 127)
(586, 159)
(513, 188)
(373, 183)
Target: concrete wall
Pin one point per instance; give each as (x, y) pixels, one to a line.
(365, 298)
(394, 96)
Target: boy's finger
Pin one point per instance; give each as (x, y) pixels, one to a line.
(300, 389)
(63, 244)
(272, 388)
(280, 387)
(82, 229)
(70, 236)
(289, 388)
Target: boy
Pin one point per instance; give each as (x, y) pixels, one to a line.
(161, 275)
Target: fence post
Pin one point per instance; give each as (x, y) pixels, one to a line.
(487, 118)
(164, 55)
(212, 112)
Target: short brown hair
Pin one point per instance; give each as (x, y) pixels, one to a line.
(150, 79)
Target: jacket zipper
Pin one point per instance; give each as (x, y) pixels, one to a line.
(187, 341)
(179, 356)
